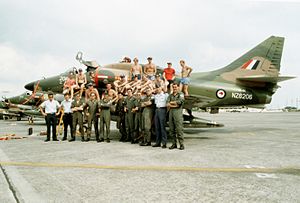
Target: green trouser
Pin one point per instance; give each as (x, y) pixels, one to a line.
(137, 124)
(129, 123)
(78, 119)
(147, 121)
(105, 120)
(176, 125)
(93, 119)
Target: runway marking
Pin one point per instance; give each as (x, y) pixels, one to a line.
(265, 175)
(148, 168)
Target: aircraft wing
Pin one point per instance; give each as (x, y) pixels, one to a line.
(265, 78)
(33, 113)
(199, 101)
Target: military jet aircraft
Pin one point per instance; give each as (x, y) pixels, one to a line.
(24, 105)
(250, 80)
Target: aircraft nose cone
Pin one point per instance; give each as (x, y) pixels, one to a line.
(29, 86)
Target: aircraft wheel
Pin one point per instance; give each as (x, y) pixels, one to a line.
(30, 120)
(18, 118)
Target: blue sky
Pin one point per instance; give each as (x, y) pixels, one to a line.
(41, 38)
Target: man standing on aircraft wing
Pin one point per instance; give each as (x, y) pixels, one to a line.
(51, 107)
(169, 75)
(77, 108)
(136, 69)
(174, 104)
(150, 69)
(67, 116)
(185, 77)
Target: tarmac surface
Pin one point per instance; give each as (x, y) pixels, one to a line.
(255, 157)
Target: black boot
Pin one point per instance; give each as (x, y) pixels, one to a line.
(173, 146)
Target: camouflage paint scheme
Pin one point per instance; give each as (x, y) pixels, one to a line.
(250, 80)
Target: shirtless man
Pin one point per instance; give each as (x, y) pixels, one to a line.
(185, 80)
(81, 80)
(112, 94)
(150, 69)
(120, 84)
(146, 84)
(135, 84)
(136, 69)
(69, 84)
(91, 90)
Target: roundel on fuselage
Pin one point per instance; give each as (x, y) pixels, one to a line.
(220, 93)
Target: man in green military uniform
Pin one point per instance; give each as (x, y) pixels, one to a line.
(77, 108)
(129, 116)
(146, 104)
(92, 114)
(174, 104)
(138, 118)
(104, 107)
(121, 116)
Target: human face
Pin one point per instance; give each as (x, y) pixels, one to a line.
(67, 97)
(108, 86)
(120, 96)
(159, 90)
(149, 92)
(175, 88)
(50, 97)
(182, 63)
(129, 93)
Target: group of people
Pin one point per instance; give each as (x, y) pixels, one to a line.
(141, 104)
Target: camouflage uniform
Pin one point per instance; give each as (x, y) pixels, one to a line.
(121, 118)
(105, 118)
(78, 118)
(147, 119)
(138, 119)
(129, 117)
(176, 118)
(92, 118)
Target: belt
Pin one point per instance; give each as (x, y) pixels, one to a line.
(50, 113)
(68, 113)
(161, 107)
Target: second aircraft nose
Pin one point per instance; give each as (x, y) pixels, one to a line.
(29, 86)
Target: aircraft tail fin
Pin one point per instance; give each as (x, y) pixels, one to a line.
(257, 67)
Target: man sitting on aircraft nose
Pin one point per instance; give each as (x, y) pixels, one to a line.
(70, 84)
(81, 80)
(51, 107)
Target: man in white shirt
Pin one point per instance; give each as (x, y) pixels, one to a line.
(68, 116)
(160, 100)
(51, 107)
